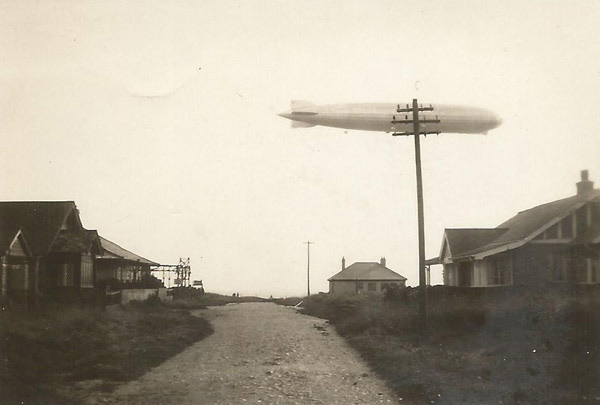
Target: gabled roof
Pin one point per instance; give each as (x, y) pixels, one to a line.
(464, 240)
(113, 251)
(40, 221)
(528, 224)
(458, 241)
(8, 237)
(362, 271)
(76, 242)
(516, 231)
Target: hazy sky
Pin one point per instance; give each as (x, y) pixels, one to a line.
(159, 120)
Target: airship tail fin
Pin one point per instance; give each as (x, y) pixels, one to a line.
(301, 106)
(300, 124)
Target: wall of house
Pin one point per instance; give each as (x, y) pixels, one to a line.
(343, 287)
(124, 271)
(531, 264)
(141, 294)
(450, 274)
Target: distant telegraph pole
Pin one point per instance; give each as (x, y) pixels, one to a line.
(308, 243)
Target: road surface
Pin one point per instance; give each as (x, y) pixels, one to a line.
(259, 353)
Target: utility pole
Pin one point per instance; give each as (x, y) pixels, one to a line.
(416, 124)
(308, 243)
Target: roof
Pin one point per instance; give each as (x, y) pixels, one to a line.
(75, 241)
(518, 230)
(367, 271)
(113, 251)
(40, 221)
(527, 224)
(7, 236)
(433, 260)
(464, 240)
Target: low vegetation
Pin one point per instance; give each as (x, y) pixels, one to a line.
(201, 301)
(501, 345)
(63, 356)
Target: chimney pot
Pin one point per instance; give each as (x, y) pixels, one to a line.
(584, 186)
(343, 263)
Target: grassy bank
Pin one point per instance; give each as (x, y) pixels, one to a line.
(65, 355)
(502, 345)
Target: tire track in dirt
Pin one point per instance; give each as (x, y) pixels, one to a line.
(259, 353)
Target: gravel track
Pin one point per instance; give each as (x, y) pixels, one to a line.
(259, 353)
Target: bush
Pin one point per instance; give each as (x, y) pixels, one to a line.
(396, 294)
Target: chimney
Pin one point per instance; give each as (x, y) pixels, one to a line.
(382, 261)
(585, 186)
(343, 263)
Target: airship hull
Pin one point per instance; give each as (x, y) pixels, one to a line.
(384, 117)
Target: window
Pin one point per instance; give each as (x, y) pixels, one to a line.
(499, 271)
(552, 232)
(372, 287)
(87, 272)
(567, 227)
(359, 285)
(595, 212)
(581, 219)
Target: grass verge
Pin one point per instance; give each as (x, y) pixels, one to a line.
(502, 345)
(63, 356)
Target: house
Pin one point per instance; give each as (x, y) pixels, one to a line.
(60, 262)
(556, 242)
(15, 256)
(364, 277)
(118, 263)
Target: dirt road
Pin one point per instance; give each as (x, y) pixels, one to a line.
(259, 353)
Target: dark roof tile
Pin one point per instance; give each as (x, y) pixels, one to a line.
(367, 271)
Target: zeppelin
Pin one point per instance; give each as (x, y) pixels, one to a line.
(395, 118)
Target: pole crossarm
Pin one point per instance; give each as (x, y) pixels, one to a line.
(409, 108)
(412, 133)
(424, 121)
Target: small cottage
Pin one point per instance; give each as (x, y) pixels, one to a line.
(363, 278)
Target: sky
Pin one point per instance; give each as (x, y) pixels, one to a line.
(159, 119)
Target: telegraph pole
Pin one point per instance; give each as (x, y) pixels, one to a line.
(308, 243)
(416, 124)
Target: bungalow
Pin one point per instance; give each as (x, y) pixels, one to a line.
(60, 262)
(364, 277)
(554, 242)
(118, 263)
